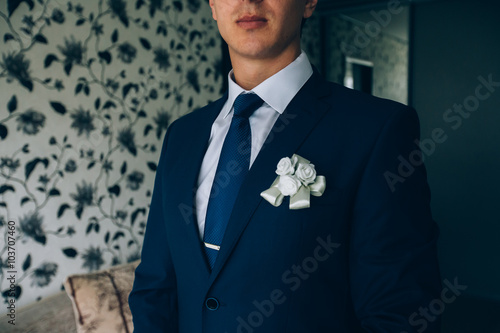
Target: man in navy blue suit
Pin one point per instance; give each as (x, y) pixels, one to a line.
(288, 205)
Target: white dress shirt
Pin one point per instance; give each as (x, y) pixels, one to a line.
(276, 92)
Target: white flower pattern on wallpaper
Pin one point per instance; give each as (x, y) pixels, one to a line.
(89, 90)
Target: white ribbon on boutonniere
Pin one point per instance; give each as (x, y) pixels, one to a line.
(297, 179)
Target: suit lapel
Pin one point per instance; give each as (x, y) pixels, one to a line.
(192, 156)
(285, 138)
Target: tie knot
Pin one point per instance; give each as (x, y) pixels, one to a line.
(246, 104)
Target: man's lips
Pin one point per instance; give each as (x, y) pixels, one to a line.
(251, 22)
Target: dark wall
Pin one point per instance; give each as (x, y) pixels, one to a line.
(456, 43)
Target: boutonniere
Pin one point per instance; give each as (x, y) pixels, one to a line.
(297, 179)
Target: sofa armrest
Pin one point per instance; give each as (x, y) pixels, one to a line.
(52, 314)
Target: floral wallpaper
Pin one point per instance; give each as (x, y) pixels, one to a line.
(87, 91)
(311, 40)
(388, 54)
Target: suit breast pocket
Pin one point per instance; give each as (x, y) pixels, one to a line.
(331, 196)
(327, 208)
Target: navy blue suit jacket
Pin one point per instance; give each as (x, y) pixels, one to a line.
(362, 258)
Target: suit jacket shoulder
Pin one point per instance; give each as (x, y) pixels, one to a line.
(363, 107)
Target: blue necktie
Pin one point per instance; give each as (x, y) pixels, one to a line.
(234, 162)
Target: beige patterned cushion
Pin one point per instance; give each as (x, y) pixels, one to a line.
(100, 299)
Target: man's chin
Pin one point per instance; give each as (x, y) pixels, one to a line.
(254, 51)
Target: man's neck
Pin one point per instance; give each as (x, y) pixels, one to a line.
(249, 73)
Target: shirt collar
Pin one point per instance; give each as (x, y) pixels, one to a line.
(290, 80)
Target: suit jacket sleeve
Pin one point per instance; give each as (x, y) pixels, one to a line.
(393, 260)
(153, 300)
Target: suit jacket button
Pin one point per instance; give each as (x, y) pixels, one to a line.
(212, 304)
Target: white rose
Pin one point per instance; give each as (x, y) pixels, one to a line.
(306, 173)
(285, 167)
(288, 185)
